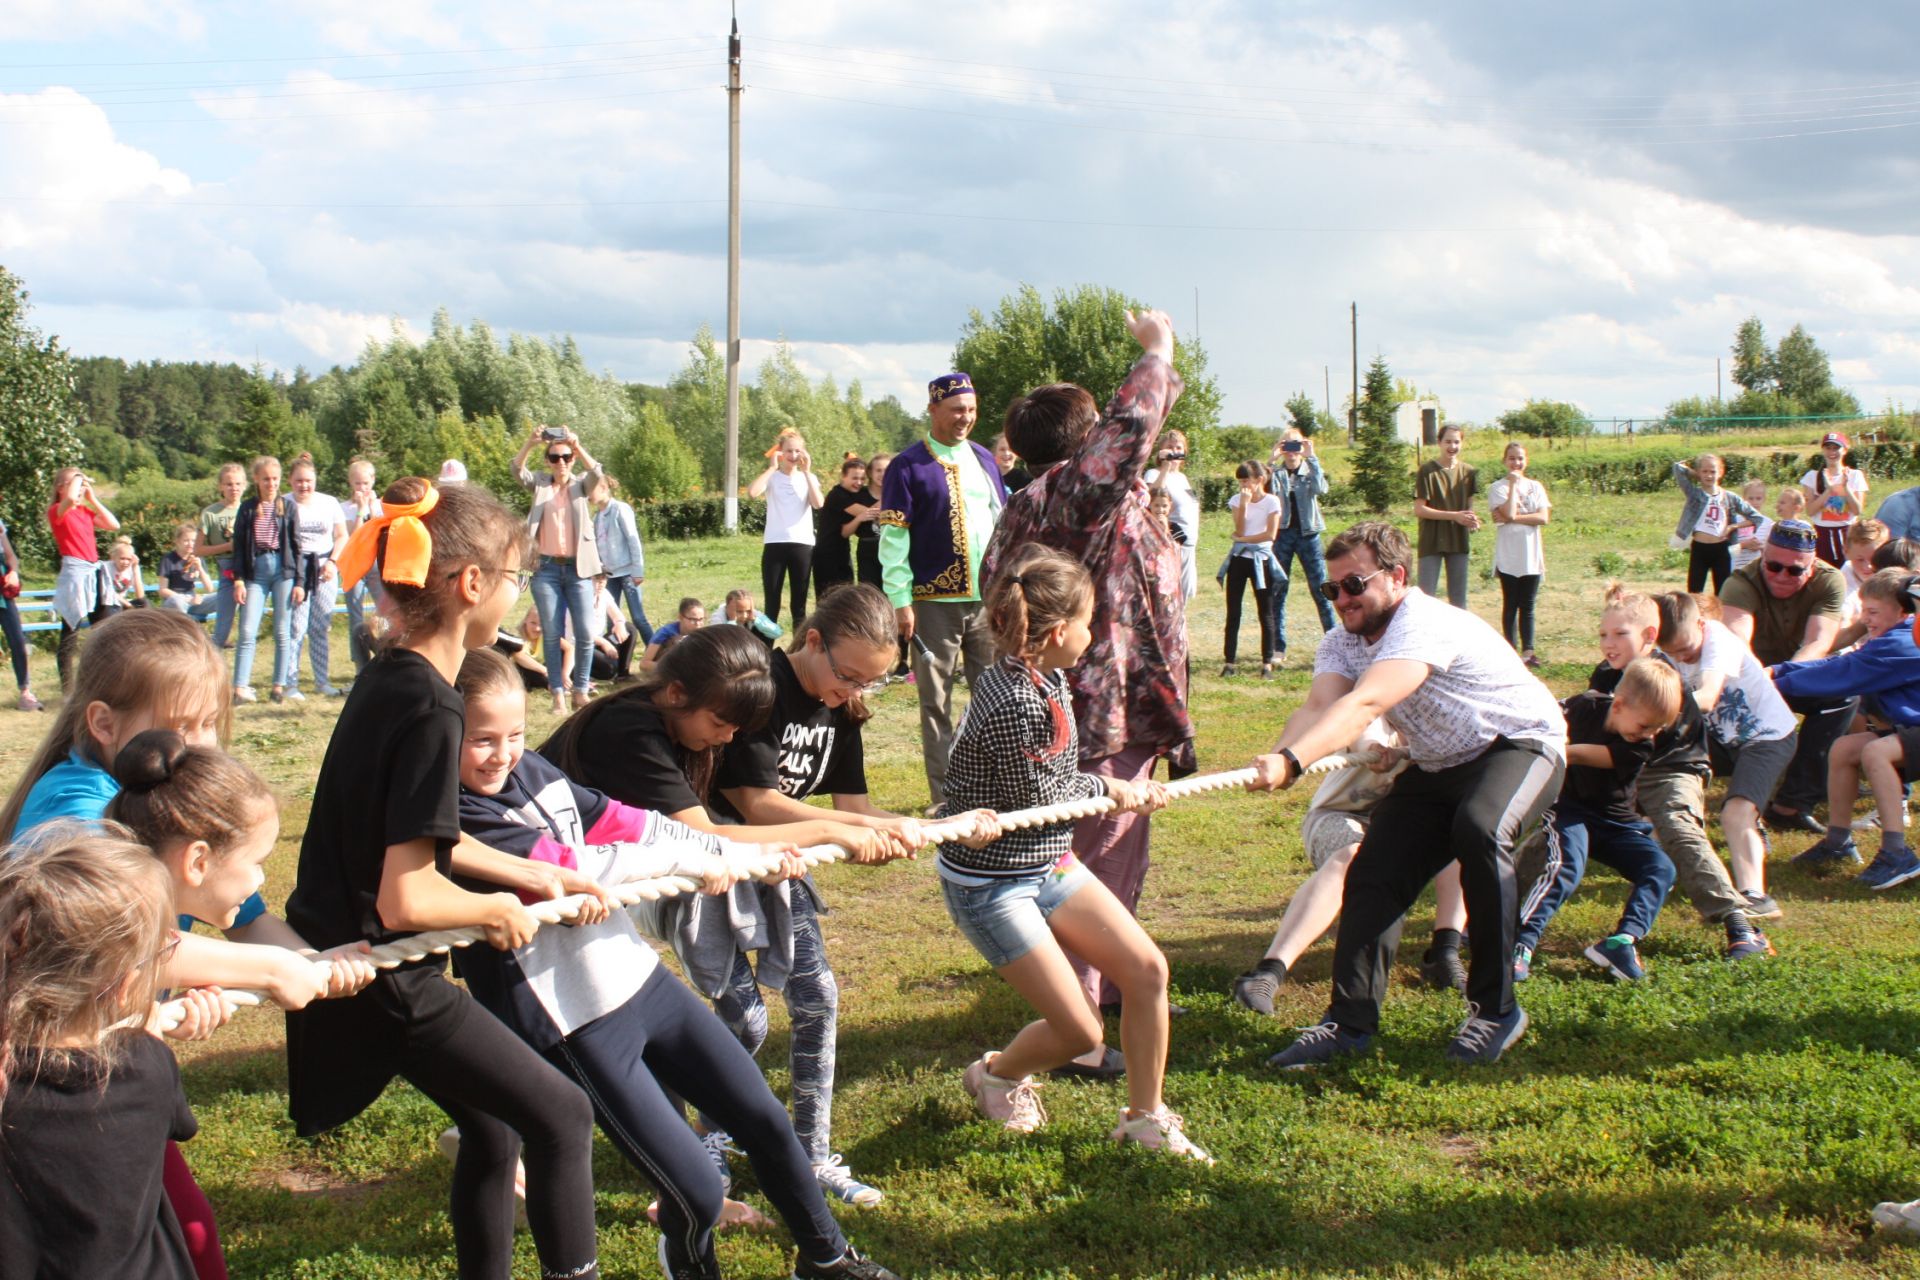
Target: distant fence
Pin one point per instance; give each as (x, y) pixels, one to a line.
(1876, 423)
(38, 602)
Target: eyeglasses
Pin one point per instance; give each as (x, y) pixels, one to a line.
(518, 577)
(559, 457)
(1787, 570)
(1353, 584)
(852, 685)
(167, 948)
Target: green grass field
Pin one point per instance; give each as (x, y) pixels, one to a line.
(1712, 1121)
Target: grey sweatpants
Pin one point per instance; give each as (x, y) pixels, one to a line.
(1456, 562)
(954, 632)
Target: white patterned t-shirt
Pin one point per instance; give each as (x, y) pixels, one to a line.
(1750, 708)
(1476, 689)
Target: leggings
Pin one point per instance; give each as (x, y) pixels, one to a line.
(813, 1010)
(16, 641)
(501, 1094)
(1240, 572)
(195, 1214)
(779, 563)
(1704, 558)
(70, 642)
(1517, 594)
(1455, 563)
(664, 1042)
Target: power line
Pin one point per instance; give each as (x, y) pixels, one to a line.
(345, 57)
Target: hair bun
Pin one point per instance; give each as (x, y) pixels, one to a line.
(149, 760)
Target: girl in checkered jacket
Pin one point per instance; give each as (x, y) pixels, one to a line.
(1021, 897)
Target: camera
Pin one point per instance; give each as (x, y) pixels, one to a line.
(1173, 455)
(1291, 446)
(553, 433)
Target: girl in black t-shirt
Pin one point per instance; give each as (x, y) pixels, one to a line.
(381, 846)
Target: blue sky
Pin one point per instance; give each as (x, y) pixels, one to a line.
(1524, 202)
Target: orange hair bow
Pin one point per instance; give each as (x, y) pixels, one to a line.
(409, 544)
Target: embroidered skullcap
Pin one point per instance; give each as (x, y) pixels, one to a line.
(1792, 535)
(949, 384)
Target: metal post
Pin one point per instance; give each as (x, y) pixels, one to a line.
(731, 494)
(1353, 414)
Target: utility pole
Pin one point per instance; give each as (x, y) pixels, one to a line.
(1353, 414)
(731, 494)
(1196, 313)
(1326, 390)
(1716, 383)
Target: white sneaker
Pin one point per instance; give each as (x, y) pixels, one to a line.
(1872, 821)
(1903, 1219)
(243, 694)
(719, 1146)
(1161, 1130)
(1015, 1103)
(837, 1180)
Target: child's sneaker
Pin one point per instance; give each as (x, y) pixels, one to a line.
(837, 1180)
(1889, 868)
(1319, 1045)
(1256, 988)
(1480, 1041)
(1015, 1103)
(1160, 1130)
(1761, 906)
(851, 1265)
(1617, 956)
(719, 1146)
(1827, 852)
(1441, 969)
(1522, 962)
(1750, 945)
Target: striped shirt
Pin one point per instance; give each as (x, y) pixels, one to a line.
(266, 527)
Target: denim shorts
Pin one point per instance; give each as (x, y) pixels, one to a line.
(1004, 917)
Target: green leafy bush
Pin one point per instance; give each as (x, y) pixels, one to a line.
(149, 505)
(703, 517)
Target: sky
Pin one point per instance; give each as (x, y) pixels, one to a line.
(1523, 201)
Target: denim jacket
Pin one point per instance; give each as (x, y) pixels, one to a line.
(619, 539)
(1304, 487)
(1737, 506)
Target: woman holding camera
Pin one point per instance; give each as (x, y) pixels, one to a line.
(75, 515)
(793, 494)
(1297, 480)
(561, 523)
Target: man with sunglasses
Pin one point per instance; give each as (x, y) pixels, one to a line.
(1488, 743)
(1787, 606)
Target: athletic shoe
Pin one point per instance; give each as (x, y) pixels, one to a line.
(1902, 1219)
(1112, 1066)
(1318, 1046)
(1889, 868)
(1761, 906)
(1440, 968)
(1014, 1103)
(850, 1266)
(1748, 946)
(1782, 820)
(30, 703)
(294, 695)
(329, 691)
(1522, 962)
(718, 1147)
(243, 694)
(1827, 852)
(1161, 1130)
(1617, 956)
(1229, 671)
(1256, 988)
(1872, 821)
(1532, 662)
(837, 1180)
(1481, 1041)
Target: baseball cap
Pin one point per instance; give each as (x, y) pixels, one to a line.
(1833, 437)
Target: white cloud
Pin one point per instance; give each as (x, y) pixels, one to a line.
(50, 20)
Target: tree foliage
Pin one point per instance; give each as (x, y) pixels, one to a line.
(1379, 475)
(653, 462)
(1789, 380)
(1303, 415)
(38, 415)
(1082, 337)
(1546, 420)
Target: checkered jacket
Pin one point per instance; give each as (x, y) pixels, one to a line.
(1000, 762)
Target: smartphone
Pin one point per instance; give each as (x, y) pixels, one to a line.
(553, 433)
(1291, 446)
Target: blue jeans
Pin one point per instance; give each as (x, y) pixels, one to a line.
(813, 1013)
(358, 601)
(266, 580)
(1313, 565)
(625, 589)
(555, 586)
(1628, 847)
(223, 605)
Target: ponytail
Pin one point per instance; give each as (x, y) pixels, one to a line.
(1034, 592)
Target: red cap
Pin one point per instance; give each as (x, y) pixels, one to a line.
(1833, 437)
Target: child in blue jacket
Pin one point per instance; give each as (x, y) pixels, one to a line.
(1885, 673)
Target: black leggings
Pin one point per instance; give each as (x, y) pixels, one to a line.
(1517, 594)
(780, 561)
(1239, 574)
(16, 642)
(501, 1094)
(1705, 558)
(664, 1042)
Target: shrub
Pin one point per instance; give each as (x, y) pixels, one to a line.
(149, 505)
(703, 517)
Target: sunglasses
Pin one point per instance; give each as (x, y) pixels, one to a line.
(1787, 570)
(559, 457)
(1353, 584)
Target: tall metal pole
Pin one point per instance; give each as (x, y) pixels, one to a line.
(1326, 389)
(731, 497)
(1353, 414)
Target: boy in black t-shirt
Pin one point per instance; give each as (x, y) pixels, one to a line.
(1609, 740)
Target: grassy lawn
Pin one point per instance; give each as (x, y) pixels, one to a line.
(1712, 1121)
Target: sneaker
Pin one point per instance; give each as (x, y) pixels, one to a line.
(1903, 1219)
(1617, 956)
(1532, 662)
(1890, 868)
(1748, 946)
(1014, 1103)
(1318, 1046)
(294, 694)
(1161, 1130)
(30, 703)
(837, 1180)
(718, 1147)
(1793, 820)
(1256, 988)
(1480, 1041)
(329, 691)
(275, 695)
(1229, 671)
(1827, 852)
(1440, 968)
(1522, 962)
(1761, 906)
(243, 694)
(851, 1265)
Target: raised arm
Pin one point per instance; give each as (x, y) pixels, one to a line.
(1088, 489)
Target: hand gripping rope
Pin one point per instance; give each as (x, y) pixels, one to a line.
(566, 910)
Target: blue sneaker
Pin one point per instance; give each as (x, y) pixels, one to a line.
(1318, 1046)
(1751, 945)
(1617, 956)
(1889, 869)
(1828, 852)
(1522, 962)
(1480, 1041)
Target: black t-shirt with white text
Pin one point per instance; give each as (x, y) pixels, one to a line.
(1604, 793)
(625, 751)
(806, 748)
(1682, 746)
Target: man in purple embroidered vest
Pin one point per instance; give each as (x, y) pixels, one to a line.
(942, 498)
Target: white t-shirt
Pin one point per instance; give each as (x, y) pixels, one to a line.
(1186, 507)
(1750, 708)
(1830, 508)
(1476, 688)
(318, 516)
(1741, 556)
(1850, 607)
(789, 514)
(1518, 549)
(1713, 516)
(1253, 516)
